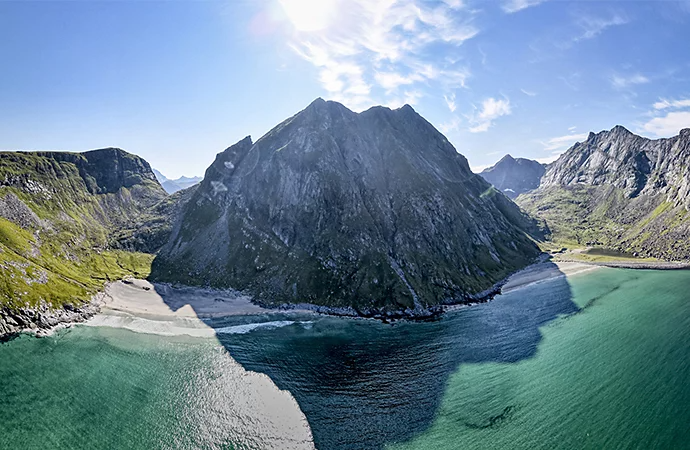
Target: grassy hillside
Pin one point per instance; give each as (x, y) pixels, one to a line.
(63, 224)
(578, 216)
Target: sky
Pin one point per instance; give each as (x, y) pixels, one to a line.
(177, 82)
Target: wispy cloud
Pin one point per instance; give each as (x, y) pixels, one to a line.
(672, 104)
(491, 110)
(450, 101)
(513, 6)
(592, 26)
(624, 82)
(669, 124)
(528, 93)
(377, 51)
(451, 125)
(559, 144)
(668, 118)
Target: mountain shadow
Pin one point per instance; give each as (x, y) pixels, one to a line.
(363, 384)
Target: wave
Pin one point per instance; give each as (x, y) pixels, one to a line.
(246, 328)
(180, 326)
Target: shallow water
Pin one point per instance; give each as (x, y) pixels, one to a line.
(600, 360)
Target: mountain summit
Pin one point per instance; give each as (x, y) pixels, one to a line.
(514, 176)
(619, 190)
(373, 211)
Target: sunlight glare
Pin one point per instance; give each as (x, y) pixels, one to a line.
(309, 15)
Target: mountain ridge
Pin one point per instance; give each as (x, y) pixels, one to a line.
(514, 176)
(620, 190)
(328, 208)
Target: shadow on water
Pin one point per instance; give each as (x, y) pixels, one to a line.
(364, 384)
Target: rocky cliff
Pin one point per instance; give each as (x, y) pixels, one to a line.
(514, 176)
(619, 190)
(373, 211)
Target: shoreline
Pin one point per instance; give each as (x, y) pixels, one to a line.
(185, 308)
(638, 265)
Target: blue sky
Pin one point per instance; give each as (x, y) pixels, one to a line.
(178, 81)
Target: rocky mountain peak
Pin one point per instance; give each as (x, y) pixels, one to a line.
(514, 176)
(372, 211)
(622, 159)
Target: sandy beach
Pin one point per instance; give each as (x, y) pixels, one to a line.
(164, 309)
(143, 307)
(543, 271)
(143, 298)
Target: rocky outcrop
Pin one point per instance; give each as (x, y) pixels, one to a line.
(373, 211)
(514, 176)
(619, 190)
(43, 318)
(634, 164)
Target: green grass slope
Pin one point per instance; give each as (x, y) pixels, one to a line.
(581, 215)
(65, 224)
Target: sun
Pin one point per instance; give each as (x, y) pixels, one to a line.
(309, 15)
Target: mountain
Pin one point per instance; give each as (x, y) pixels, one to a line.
(373, 212)
(66, 220)
(514, 176)
(172, 186)
(619, 190)
(159, 176)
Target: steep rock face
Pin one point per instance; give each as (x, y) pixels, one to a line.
(620, 190)
(372, 210)
(514, 176)
(634, 164)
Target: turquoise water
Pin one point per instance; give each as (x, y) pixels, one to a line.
(601, 360)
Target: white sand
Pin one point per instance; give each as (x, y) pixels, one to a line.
(538, 273)
(143, 298)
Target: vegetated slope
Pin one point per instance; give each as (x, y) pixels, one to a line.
(63, 224)
(374, 211)
(619, 190)
(514, 176)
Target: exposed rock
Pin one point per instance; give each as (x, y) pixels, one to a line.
(514, 176)
(15, 210)
(43, 318)
(374, 212)
(622, 191)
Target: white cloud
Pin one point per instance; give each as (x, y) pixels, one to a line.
(668, 125)
(528, 93)
(665, 123)
(375, 49)
(390, 81)
(513, 6)
(672, 104)
(549, 159)
(594, 26)
(571, 129)
(491, 110)
(452, 125)
(623, 82)
(479, 168)
(450, 101)
(407, 97)
(561, 143)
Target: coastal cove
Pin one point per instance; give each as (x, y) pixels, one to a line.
(529, 369)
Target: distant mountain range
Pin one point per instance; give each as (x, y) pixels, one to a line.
(172, 186)
(514, 176)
